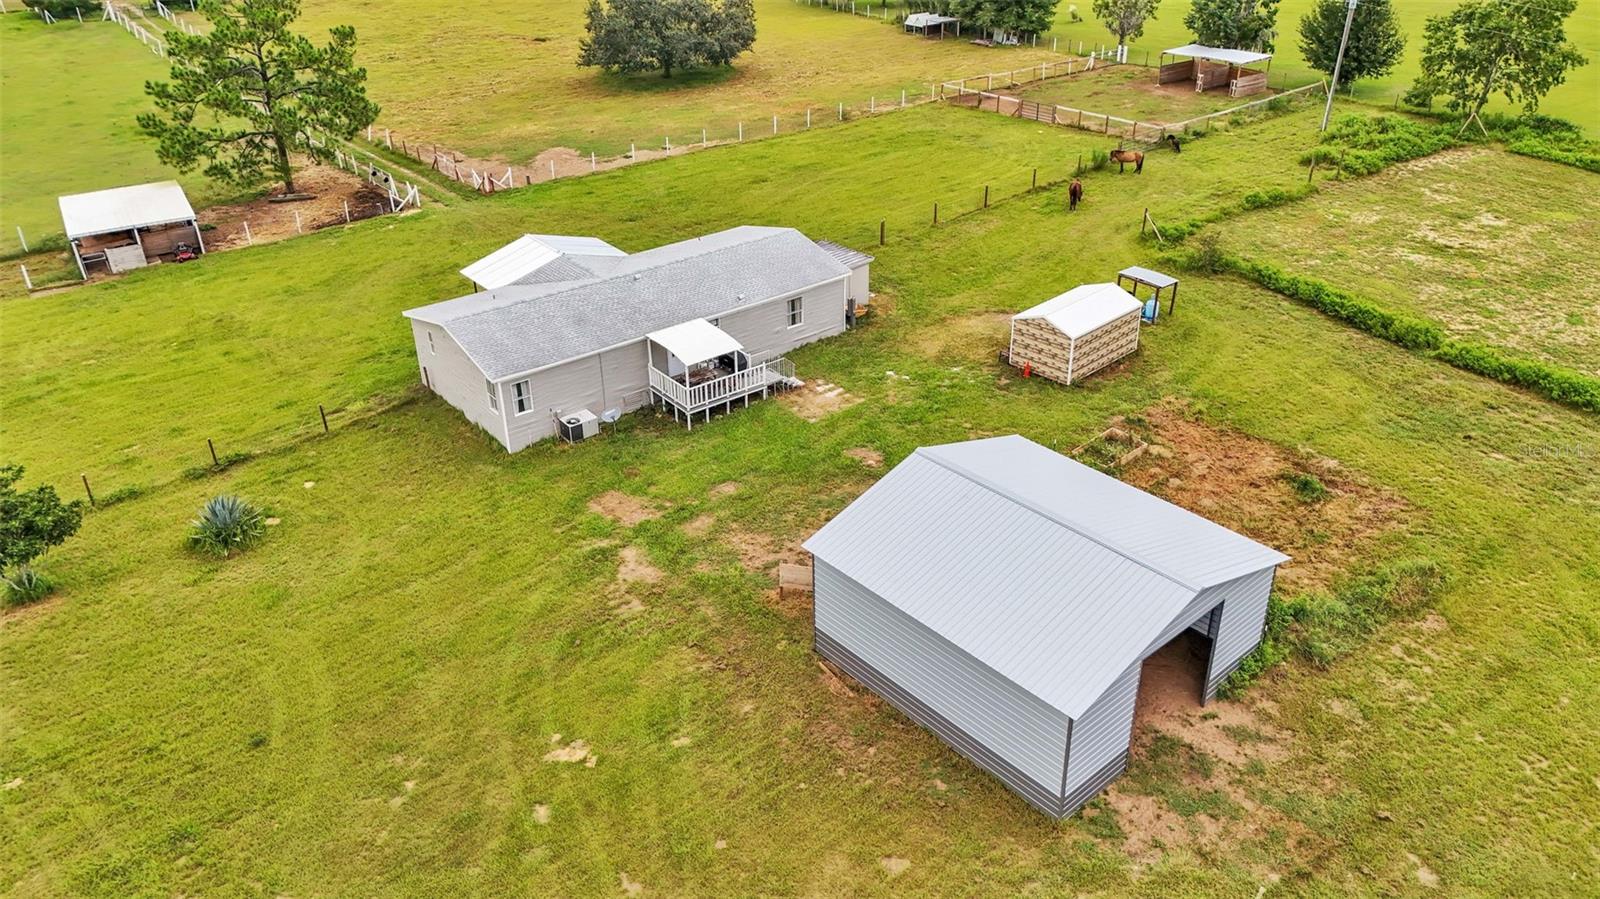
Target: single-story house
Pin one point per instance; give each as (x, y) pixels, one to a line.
(1074, 335)
(129, 227)
(1005, 598)
(694, 325)
(1214, 67)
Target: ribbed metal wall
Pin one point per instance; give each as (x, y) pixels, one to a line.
(1014, 726)
(1100, 736)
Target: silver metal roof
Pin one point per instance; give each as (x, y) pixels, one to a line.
(522, 260)
(851, 258)
(522, 327)
(1049, 572)
(1148, 276)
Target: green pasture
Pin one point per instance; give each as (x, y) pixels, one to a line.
(68, 97)
(1496, 248)
(364, 703)
(1129, 92)
(1578, 100)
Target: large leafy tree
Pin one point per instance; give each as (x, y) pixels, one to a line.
(1237, 24)
(1125, 18)
(1375, 39)
(249, 92)
(666, 35)
(32, 521)
(1484, 47)
(1011, 16)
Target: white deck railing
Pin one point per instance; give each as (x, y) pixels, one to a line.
(732, 386)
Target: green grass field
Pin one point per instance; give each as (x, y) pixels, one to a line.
(1426, 239)
(65, 136)
(362, 704)
(1128, 92)
(1576, 100)
(499, 78)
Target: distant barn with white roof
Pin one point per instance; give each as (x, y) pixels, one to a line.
(1005, 597)
(128, 227)
(1071, 336)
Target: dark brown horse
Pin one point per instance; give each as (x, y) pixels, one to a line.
(1074, 195)
(1123, 157)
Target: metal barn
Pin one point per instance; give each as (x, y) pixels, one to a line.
(1076, 334)
(1005, 598)
(125, 228)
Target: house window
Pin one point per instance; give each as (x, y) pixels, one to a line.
(796, 311)
(523, 396)
(431, 349)
(494, 397)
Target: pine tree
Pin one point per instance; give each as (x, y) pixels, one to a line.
(1375, 45)
(249, 92)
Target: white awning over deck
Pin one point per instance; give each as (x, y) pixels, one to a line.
(695, 341)
(124, 209)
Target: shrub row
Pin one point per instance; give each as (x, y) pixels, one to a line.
(1366, 145)
(1178, 232)
(1321, 627)
(1553, 382)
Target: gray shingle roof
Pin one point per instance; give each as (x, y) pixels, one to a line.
(1049, 572)
(523, 327)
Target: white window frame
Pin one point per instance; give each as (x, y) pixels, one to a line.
(494, 394)
(796, 309)
(522, 396)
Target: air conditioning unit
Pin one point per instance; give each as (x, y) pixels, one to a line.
(579, 425)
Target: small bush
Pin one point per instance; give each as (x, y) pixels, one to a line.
(27, 585)
(1307, 487)
(226, 525)
(1207, 255)
(1098, 160)
(63, 9)
(1366, 145)
(1322, 627)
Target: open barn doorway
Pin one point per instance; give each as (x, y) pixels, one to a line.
(1172, 681)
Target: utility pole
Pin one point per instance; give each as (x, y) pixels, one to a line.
(1349, 16)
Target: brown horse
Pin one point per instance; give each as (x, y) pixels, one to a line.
(1074, 195)
(1123, 157)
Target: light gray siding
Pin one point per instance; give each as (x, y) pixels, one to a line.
(1239, 624)
(859, 292)
(1100, 735)
(445, 368)
(576, 385)
(764, 329)
(999, 726)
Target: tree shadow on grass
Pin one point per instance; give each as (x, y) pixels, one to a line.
(682, 80)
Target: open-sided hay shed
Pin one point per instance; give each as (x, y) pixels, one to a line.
(1077, 333)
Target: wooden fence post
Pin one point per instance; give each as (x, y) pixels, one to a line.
(25, 279)
(936, 213)
(87, 490)
(323, 412)
(213, 447)
(1035, 179)
(882, 226)
(248, 239)
(986, 196)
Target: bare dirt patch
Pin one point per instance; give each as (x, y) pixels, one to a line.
(330, 188)
(867, 456)
(726, 488)
(1248, 484)
(699, 526)
(576, 751)
(623, 508)
(635, 567)
(816, 400)
(894, 866)
(971, 338)
(1170, 685)
(763, 552)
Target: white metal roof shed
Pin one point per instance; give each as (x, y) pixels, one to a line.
(1219, 54)
(124, 209)
(695, 341)
(531, 252)
(1084, 308)
(1148, 276)
(1045, 570)
(925, 19)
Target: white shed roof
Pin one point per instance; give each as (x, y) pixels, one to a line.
(1084, 308)
(695, 341)
(924, 19)
(1220, 54)
(531, 252)
(1049, 572)
(124, 208)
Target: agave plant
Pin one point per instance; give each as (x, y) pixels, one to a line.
(25, 585)
(226, 525)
